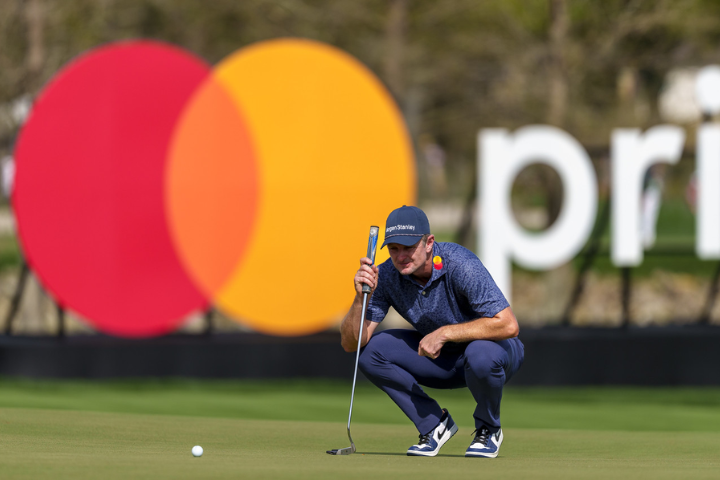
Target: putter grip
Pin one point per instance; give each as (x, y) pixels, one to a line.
(372, 246)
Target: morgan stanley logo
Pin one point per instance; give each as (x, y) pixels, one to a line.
(399, 227)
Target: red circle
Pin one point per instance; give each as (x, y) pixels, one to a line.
(88, 193)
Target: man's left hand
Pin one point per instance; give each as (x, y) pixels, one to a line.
(431, 344)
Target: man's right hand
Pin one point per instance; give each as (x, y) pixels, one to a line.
(367, 274)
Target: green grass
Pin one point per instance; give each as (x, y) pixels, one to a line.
(145, 429)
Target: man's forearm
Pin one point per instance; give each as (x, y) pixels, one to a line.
(351, 326)
(367, 275)
(500, 327)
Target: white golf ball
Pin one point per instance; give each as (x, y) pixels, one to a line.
(197, 451)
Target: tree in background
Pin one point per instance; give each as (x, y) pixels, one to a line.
(454, 66)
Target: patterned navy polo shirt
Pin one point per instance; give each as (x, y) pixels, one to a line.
(462, 290)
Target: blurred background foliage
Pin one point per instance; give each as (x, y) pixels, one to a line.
(454, 67)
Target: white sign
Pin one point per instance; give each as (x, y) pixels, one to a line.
(632, 153)
(502, 155)
(501, 239)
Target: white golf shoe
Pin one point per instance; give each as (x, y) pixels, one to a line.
(485, 444)
(430, 443)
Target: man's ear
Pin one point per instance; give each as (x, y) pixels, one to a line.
(430, 242)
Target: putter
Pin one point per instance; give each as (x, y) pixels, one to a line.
(372, 244)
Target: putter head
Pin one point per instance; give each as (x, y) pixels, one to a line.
(342, 451)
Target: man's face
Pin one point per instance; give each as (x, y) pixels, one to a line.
(408, 260)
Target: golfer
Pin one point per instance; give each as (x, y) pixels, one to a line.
(465, 332)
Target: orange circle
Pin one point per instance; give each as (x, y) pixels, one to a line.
(322, 129)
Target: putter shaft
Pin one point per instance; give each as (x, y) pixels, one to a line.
(372, 245)
(351, 448)
(357, 362)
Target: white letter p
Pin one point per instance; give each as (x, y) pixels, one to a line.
(500, 239)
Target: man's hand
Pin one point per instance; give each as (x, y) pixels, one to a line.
(366, 274)
(431, 344)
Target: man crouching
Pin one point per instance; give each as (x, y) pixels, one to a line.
(465, 332)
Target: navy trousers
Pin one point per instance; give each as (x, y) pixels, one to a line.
(390, 360)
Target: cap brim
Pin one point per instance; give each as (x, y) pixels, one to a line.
(407, 240)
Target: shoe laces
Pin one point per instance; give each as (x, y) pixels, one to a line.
(481, 436)
(425, 439)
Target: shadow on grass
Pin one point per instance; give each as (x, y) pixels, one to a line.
(406, 455)
(382, 453)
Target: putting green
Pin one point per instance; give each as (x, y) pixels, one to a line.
(145, 429)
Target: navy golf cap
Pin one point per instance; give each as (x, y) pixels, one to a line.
(406, 226)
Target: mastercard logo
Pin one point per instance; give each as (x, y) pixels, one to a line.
(150, 185)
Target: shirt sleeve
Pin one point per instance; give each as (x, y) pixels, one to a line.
(477, 285)
(378, 305)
